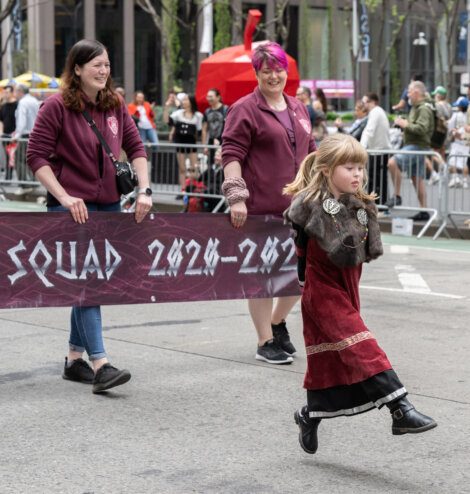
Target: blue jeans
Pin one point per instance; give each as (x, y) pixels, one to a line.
(86, 331)
(148, 135)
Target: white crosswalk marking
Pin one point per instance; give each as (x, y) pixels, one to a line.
(399, 249)
(410, 280)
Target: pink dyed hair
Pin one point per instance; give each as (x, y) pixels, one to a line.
(272, 54)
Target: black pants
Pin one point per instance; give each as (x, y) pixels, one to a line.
(8, 169)
(378, 176)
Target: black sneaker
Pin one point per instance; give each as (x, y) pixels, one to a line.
(308, 428)
(272, 354)
(108, 377)
(79, 371)
(281, 337)
(421, 216)
(393, 201)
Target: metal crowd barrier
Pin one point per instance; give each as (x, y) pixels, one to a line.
(13, 168)
(441, 202)
(170, 162)
(188, 171)
(455, 191)
(197, 166)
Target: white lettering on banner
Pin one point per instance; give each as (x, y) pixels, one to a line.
(246, 268)
(269, 255)
(178, 256)
(211, 256)
(73, 257)
(288, 244)
(91, 263)
(19, 266)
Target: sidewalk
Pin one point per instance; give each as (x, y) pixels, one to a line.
(200, 415)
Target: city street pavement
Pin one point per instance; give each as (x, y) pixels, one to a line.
(201, 415)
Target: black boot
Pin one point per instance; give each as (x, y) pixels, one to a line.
(407, 420)
(308, 427)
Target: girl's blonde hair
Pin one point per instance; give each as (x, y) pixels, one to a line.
(334, 150)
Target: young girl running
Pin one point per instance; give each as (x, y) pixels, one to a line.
(336, 231)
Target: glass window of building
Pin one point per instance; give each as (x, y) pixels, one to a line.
(68, 29)
(147, 55)
(110, 30)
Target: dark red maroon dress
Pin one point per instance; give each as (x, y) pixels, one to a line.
(347, 372)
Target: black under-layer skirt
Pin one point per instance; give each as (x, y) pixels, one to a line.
(353, 399)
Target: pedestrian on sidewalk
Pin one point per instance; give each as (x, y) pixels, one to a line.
(142, 113)
(7, 127)
(25, 115)
(418, 129)
(336, 226)
(186, 126)
(66, 157)
(376, 137)
(267, 135)
(459, 148)
(213, 122)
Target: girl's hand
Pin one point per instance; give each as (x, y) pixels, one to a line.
(238, 214)
(143, 204)
(77, 208)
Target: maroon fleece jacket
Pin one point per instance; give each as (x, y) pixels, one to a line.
(63, 139)
(254, 136)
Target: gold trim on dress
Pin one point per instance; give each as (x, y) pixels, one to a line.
(340, 345)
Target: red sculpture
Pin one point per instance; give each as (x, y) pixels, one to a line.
(230, 70)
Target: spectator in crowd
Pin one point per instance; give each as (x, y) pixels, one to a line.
(121, 91)
(459, 147)
(193, 185)
(213, 121)
(359, 124)
(418, 129)
(304, 95)
(142, 114)
(376, 136)
(163, 113)
(8, 126)
(320, 96)
(440, 135)
(171, 105)
(186, 126)
(267, 135)
(144, 117)
(212, 179)
(404, 105)
(319, 128)
(26, 113)
(443, 107)
(65, 155)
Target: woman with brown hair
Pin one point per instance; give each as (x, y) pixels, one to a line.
(67, 158)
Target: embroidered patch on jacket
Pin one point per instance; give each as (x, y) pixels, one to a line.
(113, 125)
(340, 345)
(306, 125)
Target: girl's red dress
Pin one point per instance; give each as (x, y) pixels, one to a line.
(340, 348)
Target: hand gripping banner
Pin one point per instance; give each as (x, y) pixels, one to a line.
(48, 260)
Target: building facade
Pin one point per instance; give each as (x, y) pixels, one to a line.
(318, 33)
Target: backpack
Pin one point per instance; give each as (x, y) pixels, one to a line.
(439, 135)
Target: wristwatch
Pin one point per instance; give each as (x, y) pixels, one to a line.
(145, 190)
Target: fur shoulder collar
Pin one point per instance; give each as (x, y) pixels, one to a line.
(341, 237)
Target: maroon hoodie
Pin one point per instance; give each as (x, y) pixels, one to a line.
(63, 139)
(254, 136)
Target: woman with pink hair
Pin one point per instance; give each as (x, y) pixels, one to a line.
(267, 135)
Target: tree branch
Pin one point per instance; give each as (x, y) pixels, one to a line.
(7, 10)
